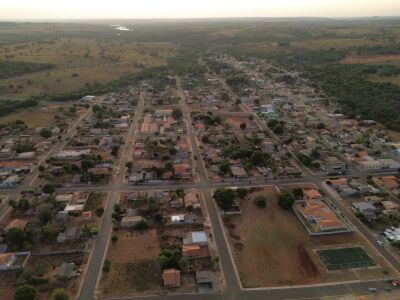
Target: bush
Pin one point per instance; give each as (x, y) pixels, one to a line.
(285, 200)
(46, 133)
(106, 266)
(260, 201)
(48, 189)
(142, 225)
(25, 292)
(59, 294)
(114, 238)
(99, 211)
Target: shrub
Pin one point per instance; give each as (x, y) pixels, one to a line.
(260, 201)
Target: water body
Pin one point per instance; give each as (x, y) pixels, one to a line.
(121, 28)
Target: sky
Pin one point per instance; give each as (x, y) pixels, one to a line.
(148, 9)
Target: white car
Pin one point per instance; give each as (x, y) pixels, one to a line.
(380, 243)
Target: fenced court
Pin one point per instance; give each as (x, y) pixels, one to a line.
(345, 258)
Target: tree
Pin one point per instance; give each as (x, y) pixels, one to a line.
(46, 133)
(243, 126)
(224, 198)
(16, 237)
(114, 238)
(48, 232)
(99, 211)
(278, 129)
(285, 200)
(258, 158)
(260, 201)
(48, 189)
(106, 266)
(141, 225)
(224, 167)
(59, 294)
(44, 212)
(25, 292)
(177, 114)
(23, 204)
(129, 165)
(242, 193)
(298, 193)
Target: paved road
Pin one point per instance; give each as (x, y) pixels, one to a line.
(100, 247)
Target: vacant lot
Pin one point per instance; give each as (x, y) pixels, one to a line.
(34, 117)
(272, 248)
(345, 258)
(134, 269)
(45, 267)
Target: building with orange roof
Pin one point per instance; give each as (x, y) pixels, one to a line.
(312, 194)
(17, 223)
(191, 251)
(171, 278)
(339, 181)
(319, 216)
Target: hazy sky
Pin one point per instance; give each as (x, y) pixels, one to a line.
(135, 9)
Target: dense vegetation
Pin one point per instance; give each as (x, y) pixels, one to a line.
(16, 68)
(9, 106)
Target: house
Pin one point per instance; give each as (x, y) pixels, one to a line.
(191, 200)
(7, 260)
(389, 163)
(183, 170)
(171, 278)
(99, 171)
(72, 154)
(372, 165)
(366, 209)
(131, 221)
(62, 216)
(269, 111)
(196, 238)
(70, 234)
(191, 251)
(176, 202)
(389, 205)
(163, 112)
(16, 223)
(204, 281)
(238, 171)
(66, 271)
(312, 194)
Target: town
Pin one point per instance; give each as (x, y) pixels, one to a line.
(175, 185)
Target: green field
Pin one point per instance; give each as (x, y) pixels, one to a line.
(345, 258)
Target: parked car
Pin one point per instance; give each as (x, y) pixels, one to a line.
(373, 290)
(396, 282)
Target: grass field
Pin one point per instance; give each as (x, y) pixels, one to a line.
(345, 258)
(134, 268)
(35, 117)
(271, 248)
(392, 79)
(78, 63)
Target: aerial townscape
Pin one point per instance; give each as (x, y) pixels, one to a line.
(233, 158)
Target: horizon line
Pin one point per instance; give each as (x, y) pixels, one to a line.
(195, 18)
